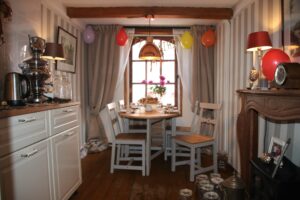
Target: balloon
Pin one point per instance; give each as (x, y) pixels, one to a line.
(89, 35)
(186, 40)
(208, 38)
(122, 37)
(270, 61)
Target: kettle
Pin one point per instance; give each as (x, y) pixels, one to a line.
(234, 188)
(17, 88)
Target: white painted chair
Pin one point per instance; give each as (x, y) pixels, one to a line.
(134, 125)
(192, 128)
(121, 106)
(208, 118)
(120, 160)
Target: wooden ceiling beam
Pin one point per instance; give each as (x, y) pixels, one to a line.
(157, 12)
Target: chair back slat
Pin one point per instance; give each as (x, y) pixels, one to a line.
(113, 115)
(121, 106)
(195, 121)
(208, 118)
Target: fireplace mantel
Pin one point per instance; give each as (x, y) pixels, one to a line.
(281, 105)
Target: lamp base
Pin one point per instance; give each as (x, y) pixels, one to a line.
(263, 84)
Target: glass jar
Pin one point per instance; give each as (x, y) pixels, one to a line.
(67, 88)
(185, 194)
(58, 91)
(211, 196)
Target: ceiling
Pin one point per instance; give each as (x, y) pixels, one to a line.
(148, 3)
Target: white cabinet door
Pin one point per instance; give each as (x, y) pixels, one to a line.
(66, 163)
(26, 174)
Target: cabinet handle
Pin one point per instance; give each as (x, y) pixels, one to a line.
(68, 110)
(70, 133)
(27, 120)
(27, 155)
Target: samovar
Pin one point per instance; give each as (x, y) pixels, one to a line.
(36, 70)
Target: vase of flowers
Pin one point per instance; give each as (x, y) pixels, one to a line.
(160, 88)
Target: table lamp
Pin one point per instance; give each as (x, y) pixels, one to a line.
(53, 51)
(258, 42)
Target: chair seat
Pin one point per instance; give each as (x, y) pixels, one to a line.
(131, 136)
(194, 138)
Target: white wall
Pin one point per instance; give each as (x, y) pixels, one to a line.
(16, 30)
(233, 64)
(39, 18)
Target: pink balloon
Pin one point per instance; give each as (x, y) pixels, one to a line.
(121, 37)
(89, 35)
(270, 61)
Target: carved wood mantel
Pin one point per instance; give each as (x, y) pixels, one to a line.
(281, 105)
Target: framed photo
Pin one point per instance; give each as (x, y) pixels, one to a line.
(291, 28)
(69, 43)
(279, 163)
(276, 148)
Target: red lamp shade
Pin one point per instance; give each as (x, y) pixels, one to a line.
(259, 41)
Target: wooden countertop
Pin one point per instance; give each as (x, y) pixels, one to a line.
(8, 111)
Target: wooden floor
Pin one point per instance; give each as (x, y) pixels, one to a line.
(162, 184)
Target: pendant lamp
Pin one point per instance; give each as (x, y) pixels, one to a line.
(150, 51)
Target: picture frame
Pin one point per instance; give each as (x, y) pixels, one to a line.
(276, 149)
(291, 28)
(69, 43)
(279, 164)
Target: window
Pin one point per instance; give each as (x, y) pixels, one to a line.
(146, 74)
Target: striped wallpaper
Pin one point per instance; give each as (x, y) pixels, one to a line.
(50, 20)
(233, 64)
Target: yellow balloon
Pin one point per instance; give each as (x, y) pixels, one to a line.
(186, 40)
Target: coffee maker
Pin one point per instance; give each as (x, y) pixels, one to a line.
(36, 70)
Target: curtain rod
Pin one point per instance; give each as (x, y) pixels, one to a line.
(158, 27)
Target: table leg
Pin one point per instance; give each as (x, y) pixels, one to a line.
(173, 152)
(126, 125)
(148, 148)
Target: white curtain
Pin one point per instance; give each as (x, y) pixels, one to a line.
(124, 55)
(118, 93)
(184, 59)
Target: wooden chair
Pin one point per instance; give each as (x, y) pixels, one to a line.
(195, 141)
(192, 128)
(139, 126)
(121, 106)
(119, 159)
(135, 126)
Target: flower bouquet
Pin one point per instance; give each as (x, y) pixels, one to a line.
(160, 88)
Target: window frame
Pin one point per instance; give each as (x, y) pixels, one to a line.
(176, 82)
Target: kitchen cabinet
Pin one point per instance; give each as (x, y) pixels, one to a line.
(65, 150)
(26, 174)
(39, 157)
(17, 132)
(66, 163)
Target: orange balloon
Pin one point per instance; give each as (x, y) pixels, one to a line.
(208, 39)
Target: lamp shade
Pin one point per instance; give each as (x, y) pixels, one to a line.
(259, 41)
(54, 51)
(149, 51)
